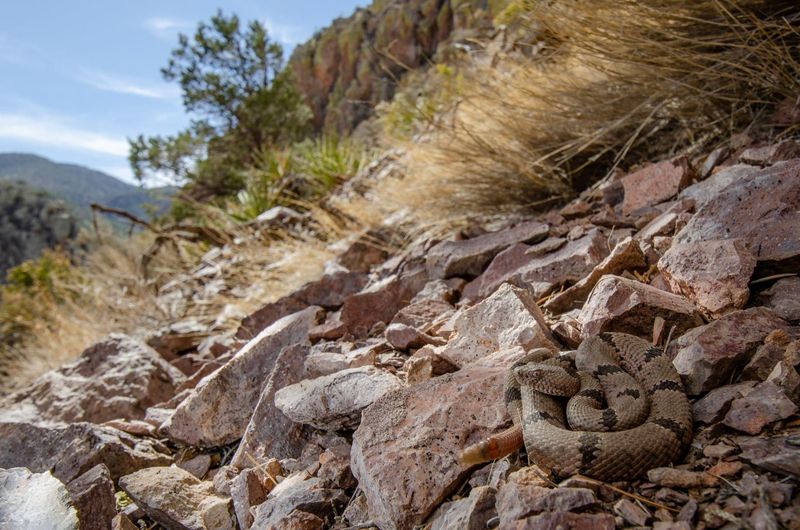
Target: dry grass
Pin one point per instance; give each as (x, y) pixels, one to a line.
(618, 82)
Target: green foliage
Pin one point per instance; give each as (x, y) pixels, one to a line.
(231, 78)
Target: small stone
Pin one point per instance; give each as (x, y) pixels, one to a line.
(725, 469)
(688, 513)
(784, 298)
(176, 499)
(632, 513)
(334, 467)
(718, 451)
(122, 522)
(472, 513)
(92, 494)
(563, 520)
(335, 401)
(517, 501)
(712, 407)
(655, 183)
(197, 466)
(767, 356)
(404, 337)
(680, 478)
(770, 154)
(305, 495)
(764, 404)
(620, 304)
(678, 525)
(247, 490)
(576, 209)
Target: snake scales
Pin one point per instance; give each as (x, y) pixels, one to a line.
(645, 422)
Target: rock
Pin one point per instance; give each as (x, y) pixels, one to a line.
(380, 302)
(761, 209)
(35, 501)
(764, 404)
(508, 318)
(420, 430)
(707, 356)
(704, 191)
(176, 499)
(517, 501)
(328, 292)
(668, 525)
(680, 478)
(122, 522)
(320, 362)
(72, 450)
(784, 298)
(712, 407)
(197, 466)
(404, 337)
(778, 454)
(563, 520)
(307, 496)
(786, 376)
(655, 183)
(766, 356)
(219, 408)
(247, 491)
(116, 378)
(632, 513)
(772, 153)
(334, 467)
(714, 274)
(576, 209)
(541, 273)
(335, 401)
(178, 338)
(718, 451)
(300, 520)
(269, 433)
(422, 314)
(366, 250)
(467, 258)
(92, 494)
(471, 513)
(626, 256)
(629, 306)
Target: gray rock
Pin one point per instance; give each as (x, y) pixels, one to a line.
(34, 501)
(471, 513)
(784, 298)
(777, 454)
(764, 404)
(517, 501)
(306, 496)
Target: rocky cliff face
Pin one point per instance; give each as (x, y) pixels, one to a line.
(356, 62)
(30, 221)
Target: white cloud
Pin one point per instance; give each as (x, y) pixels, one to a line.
(284, 33)
(120, 85)
(123, 173)
(48, 130)
(165, 27)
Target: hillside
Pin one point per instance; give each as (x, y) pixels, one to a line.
(78, 185)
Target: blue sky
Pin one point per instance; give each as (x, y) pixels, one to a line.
(78, 78)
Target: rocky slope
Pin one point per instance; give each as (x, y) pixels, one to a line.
(356, 62)
(346, 403)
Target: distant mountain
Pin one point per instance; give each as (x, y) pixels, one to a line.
(81, 186)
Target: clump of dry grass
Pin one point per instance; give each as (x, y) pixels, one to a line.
(617, 82)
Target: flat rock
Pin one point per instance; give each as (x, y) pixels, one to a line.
(707, 356)
(335, 401)
(778, 454)
(626, 256)
(784, 298)
(667, 222)
(655, 183)
(521, 266)
(633, 513)
(269, 433)
(328, 292)
(35, 501)
(471, 513)
(763, 209)
(219, 408)
(629, 306)
(422, 314)
(380, 302)
(116, 378)
(672, 477)
(769, 154)
(177, 499)
(404, 337)
(467, 258)
(566, 520)
(92, 495)
(518, 501)
(713, 274)
(405, 452)
(508, 318)
(321, 362)
(704, 191)
(764, 404)
(712, 407)
(307, 496)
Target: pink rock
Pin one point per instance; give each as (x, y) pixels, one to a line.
(468, 257)
(517, 501)
(247, 491)
(706, 190)
(764, 404)
(508, 318)
(421, 430)
(404, 337)
(629, 306)
(92, 494)
(562, 520)
(767, 356)
(308, 496)
(777, 454)
(712, 407)
(713, 274)
(707, 356)
(784, 298)
(471, 513)
(655, 183)
(367, 250)
(769, 154)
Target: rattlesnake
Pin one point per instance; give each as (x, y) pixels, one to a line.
(648, 421)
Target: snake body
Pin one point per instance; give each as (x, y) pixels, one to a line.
(642, 418)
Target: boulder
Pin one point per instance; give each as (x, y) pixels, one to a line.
(176, 499)
(405, 451)
(467, 258)
(72, 450)
(218, 410)
(328, 292)
(629, 306)
(707, 356)
(335, 401)
(116, 378)
(626, 256)
(34, 501)
(508, 318)
(92, 494)
(713, 274)
(570, 263)
(269, 433)
(655, 183)
(307, 496)
(764, 404)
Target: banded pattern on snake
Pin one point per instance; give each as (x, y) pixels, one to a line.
(646, 420)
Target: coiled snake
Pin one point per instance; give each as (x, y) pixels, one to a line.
(647, 422)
